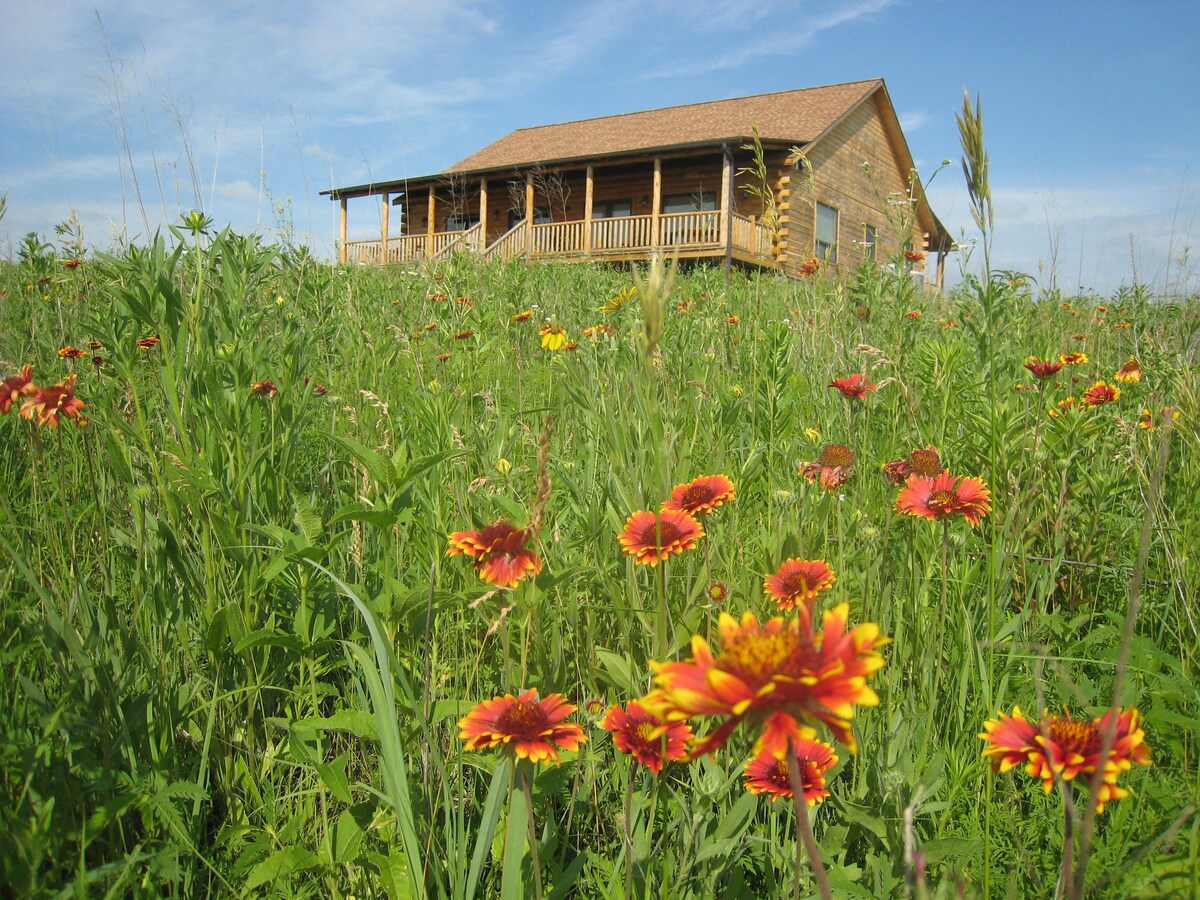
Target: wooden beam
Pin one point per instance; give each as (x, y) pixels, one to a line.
(727, 206)
(432, 222)
(483, 213)
(588, 193)
(529, 212)
(656, 204)
(383, 230)
(342, 232)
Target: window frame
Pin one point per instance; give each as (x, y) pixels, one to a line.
(826, 251)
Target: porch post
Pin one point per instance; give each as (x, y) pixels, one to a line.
(941, 269)
(383, 230)
(656, 204)
(726, 222)
(483, 211)
(432, 222)
(588, 193)
(529, 212)
(342, 232)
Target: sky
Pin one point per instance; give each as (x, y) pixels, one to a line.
(128, 113)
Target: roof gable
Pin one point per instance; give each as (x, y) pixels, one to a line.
(797, 116)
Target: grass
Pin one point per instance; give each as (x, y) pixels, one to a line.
(237, 652)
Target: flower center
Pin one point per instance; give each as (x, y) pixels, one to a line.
(925, 462)
(697, 494)
(661, 533)
(1074, 737)
(643, 732)
(834, 455)
(943, 501)
(757, 656)
(521, 720)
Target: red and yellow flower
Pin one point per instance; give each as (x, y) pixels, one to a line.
(701, 495)
(524, 726)
(767, 772)
(1043, 368)
(798, 582)
(778, 673)
(1073, 359)
(265, 388)
(1100, 393)
(554, 337)
(645, 737)
(855, 386)
(46, 404)
(944, 496)
(650, 538)
(1130, 373)
(500, 553)
(833, 467)
(15, 387)
(1062, 748)
(69, 352)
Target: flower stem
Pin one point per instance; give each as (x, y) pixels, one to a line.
(633, 766)
(804, 827)
(534, 863)
(1066, 875)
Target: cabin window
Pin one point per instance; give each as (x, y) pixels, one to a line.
(541, 216)
(700, 201)
(611, 209)
(827, 229)
(869, 241)
(461, 223)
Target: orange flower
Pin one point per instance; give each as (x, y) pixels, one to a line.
(501, 557)
(913, 314)
(855, 386)
(833, 467)
(1063, 406)
(914, 255)
(1130, 373)
(49, 402)
(810, 266)
(926, 463)
(604, 329)
(718, 592)
(148, 343)
(463, 335)
(1099, 394)
(69, 352)
(1059, 747)
(524, 316)
(1073, 359)
(1166, 414)
(767, 773)
(647, 738)
(733, 320)
(264, 388)
(1042, 368)
(943, 496)
(70, 263)
(15, 387)
(524, 726)
(649, 538)
(778, 671)
(797, 584)
(701, 495)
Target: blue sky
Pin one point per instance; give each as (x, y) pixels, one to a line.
(248, 110)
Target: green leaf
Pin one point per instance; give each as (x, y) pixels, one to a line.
(287, 861)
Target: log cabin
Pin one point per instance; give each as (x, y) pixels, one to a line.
(771, 181)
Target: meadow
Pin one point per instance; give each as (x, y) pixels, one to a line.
(240, 660)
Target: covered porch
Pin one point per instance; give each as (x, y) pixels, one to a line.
(687, 206)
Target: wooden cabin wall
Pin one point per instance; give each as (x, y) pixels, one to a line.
(838, 180)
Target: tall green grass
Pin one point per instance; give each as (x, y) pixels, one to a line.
(237, 653)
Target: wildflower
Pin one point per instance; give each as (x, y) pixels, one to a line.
(524, 726)
(503, 466)
(913, 314)
(1060, 747)
(798, 582)
(914, 256)
(733, 320)
(1079, 337)
(1073, 359)
(624, 296)
(1130, 373)
(926, 463)
(855, 386)
(554, 337)
(1167, 413)
(96, 345)
(776, 673)
(465, 301)
(896, 471)
(523, 316)
(718, 592)
(1042, 368)
(49, 402)
(438, 297)
(701, 495)
(1099, 394)
(1063, 406)
(944, 496)
(442, 357)
(811, 266)
(604, 329)
(571, 345)
(767, 773)
(463, 335)
(1122, 324)
(149, 343)
(501, 557)
(649, 538)
(833, 466)
(264, 388)
(431, 326)
(70, 263)
(15, 387)
(69, 352)
(645, 737)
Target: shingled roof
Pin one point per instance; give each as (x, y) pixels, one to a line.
(790, 116)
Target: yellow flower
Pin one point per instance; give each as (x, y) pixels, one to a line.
(503, 466)
(554, 337)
